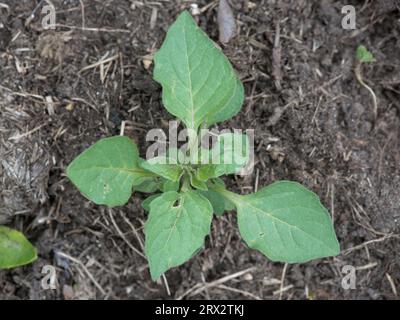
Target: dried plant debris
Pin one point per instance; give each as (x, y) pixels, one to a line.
(24, 164)
(387, 6)
(5, 37)
(54, 46)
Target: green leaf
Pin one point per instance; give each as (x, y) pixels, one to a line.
(196, 183)
(219, 203)
(175, 229)
(286, 222)
(146, 202)
(216, 200)
(363, 55)
(106, 172)
(164, 167)
(149, 185)
(230, 154)
(229, 205)
(199, 84)
(15, 249)
(168, 185)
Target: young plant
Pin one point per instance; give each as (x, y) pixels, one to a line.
(15, 249)
(284, 221)
(365, 56)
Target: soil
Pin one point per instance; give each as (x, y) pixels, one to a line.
(63, 89)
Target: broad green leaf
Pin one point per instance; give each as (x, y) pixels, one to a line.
(163, 167)
(199, 84)
(230, 154)
(175, 229)
(229, 205)
(168, 185)
(146, 202)
(217, 201)
(363, 55)
(286, 222)
(149, 185)
(106, 172)
(15, 249)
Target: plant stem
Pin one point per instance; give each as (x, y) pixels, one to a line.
(361, 81)
(186, 183)
(192, 143)
(235, 198)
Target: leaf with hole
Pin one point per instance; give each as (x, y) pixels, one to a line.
(175, 229)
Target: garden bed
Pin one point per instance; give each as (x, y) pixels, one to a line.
(61, 90)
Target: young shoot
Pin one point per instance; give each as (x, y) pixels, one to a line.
(284, 221)
(365, 56)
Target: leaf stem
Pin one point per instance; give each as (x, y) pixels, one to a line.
(235, 198)
(186, 183)
(193, 141)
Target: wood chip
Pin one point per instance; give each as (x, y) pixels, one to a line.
(153, 18)
(226, 22)
(276, 58)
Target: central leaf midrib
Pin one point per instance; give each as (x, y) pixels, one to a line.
(127, 170)
(192, 111)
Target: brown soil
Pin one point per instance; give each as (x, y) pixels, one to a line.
(317, 127)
